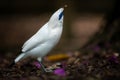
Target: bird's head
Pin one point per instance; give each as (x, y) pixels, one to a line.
(57, 18)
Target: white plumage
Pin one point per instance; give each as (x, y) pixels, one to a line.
(45, 39)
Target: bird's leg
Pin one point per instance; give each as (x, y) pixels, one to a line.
(43, 67)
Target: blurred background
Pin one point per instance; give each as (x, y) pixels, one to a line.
(20, 19)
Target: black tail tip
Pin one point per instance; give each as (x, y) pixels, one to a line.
(12, 64)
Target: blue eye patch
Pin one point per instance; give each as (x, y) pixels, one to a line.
(60, 15)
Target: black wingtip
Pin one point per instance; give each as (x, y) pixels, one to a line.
(12, 64)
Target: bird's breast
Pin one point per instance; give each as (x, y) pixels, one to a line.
(52, 39)
(55, 35)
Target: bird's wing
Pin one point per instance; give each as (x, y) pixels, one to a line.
(36, 39)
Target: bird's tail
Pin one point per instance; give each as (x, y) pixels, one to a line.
(21, 56)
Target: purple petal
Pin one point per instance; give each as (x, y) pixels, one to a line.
(113, 59)
(85, 62)
(37, 64)
(60, 72)
(96, 48)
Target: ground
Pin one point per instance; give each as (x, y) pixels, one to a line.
(93, 64)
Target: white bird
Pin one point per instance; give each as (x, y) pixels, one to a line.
(44, 40)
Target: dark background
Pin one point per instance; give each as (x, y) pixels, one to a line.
(20, 19)
(41, 6)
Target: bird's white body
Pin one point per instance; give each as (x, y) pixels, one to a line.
(45, 39)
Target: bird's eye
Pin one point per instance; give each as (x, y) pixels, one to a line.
(60, 15)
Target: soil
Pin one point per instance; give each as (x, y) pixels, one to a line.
(81, 65)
